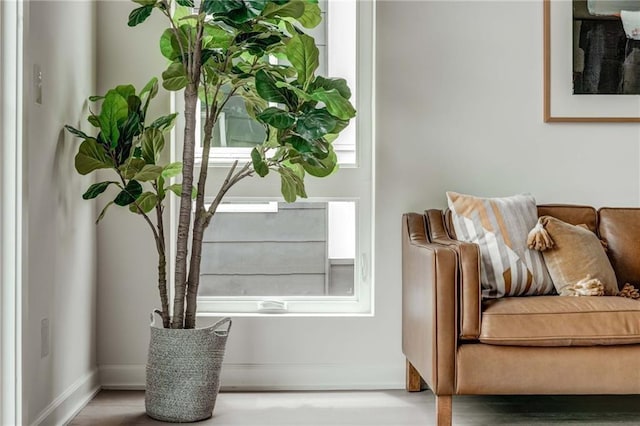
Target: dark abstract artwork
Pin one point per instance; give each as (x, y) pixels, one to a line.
(606, 47)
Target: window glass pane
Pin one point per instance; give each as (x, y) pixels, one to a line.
(234, 129)
(276, 249)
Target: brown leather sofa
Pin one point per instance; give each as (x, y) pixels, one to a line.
(459, 345)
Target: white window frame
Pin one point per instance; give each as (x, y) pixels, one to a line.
(11, 210)
(352, 182)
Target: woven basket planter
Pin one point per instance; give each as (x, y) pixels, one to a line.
(183, 372)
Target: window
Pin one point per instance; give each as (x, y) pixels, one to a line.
(236, 133)
(313, 257)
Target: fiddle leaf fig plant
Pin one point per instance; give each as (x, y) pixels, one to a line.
(253, 50)
(132, 150)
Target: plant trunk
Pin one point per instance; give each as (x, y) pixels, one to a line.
(194, 273)
(193, 282)
(188, 158)
(184, 219)
(162, 269)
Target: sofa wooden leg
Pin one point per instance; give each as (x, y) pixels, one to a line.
(413, 379)
(443, 410)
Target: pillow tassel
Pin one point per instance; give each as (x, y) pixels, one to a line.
(630, 292)
(539, 239)
(585, 287)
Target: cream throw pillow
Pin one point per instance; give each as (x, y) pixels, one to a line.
(572, 253)
(500, 226)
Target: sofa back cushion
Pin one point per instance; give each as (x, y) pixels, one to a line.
(620, 229)
(575, 215)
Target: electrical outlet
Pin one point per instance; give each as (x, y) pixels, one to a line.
(44, 337)
(37, 84)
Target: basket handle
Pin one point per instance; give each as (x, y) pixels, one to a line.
(153, 319)
(215, 327)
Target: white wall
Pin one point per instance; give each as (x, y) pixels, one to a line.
(61, 240)
(459, 107)
(127, 291)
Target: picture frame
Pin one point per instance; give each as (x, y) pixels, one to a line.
(560, 104)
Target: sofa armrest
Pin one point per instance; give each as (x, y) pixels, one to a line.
(470, 293)
(429, 326)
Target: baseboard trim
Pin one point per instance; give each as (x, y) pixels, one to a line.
(69, 403)
(261, 377)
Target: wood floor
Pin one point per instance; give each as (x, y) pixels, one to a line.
(374, 408)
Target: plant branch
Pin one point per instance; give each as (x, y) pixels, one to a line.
(162, 264)
(140, 211)
(228, 183)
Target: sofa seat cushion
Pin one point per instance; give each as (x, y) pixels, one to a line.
(560, 321)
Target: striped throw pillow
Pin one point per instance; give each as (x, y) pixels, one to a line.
(500, 227)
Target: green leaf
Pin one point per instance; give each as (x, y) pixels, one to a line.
(151, 87)
(336, 105)
(340, 84)
(312, 15)
(176, 188)
(288, 189)
(277, 118)
(114, 112)
(96, 189)
(259, 165)
(148, 172)
(292, 9)
(221, 7)
(129, 194)
(165, 122)
(160, 187)
(139, 15)
(104, 210)
(327, 166)
(303, 54)
(124, 90)
(146, 2)
(76, 132)
(147, 202)
(134, 104)
(171, 170)
(95, 98)
(175, 77)
(91, 156)
(131, 167)
(291, 185)
(152, 145)
(186, 3)
(272, 138)
(169, 46)
(268, 90)
(315, 124)
(93, 120)
(237, 11)
(299, 144)
(216, 37)
(296, 168)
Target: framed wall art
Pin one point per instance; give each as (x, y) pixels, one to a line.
(591, 60)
